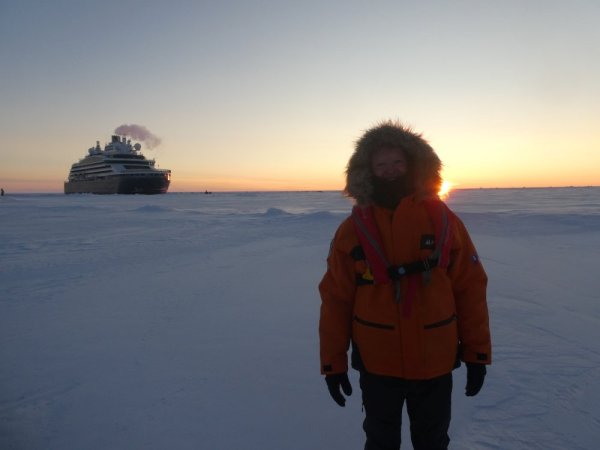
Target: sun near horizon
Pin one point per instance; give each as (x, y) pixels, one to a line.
(445, 189)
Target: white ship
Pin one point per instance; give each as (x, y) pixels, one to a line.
(118, 169)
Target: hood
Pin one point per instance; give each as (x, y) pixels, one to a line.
(424, 165)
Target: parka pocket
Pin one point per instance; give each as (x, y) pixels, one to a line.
(378, 340)
(441, 323)
(367, 323)
(440, 340)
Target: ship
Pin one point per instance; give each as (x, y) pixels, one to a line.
(118, 169)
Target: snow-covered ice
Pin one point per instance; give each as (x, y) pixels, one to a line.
(189, 321)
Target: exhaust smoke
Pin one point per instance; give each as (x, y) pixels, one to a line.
(139, 133)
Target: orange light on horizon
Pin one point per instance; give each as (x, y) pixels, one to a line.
(445, 189)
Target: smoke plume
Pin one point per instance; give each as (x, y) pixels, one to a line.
(139, 133)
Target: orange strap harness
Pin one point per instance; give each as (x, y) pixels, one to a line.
(384, 272)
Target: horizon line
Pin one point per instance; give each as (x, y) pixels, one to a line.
(312, 190)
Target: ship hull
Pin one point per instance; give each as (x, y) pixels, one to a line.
(124, 184)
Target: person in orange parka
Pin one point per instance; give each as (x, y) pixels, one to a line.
(405, 289)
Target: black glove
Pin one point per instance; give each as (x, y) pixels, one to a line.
(334, 382)
(475, 376)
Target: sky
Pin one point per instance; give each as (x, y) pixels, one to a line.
(272, 95)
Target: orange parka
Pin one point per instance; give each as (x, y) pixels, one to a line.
(448, 320)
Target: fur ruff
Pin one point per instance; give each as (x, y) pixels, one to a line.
(424, 166)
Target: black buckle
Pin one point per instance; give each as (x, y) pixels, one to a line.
(397, 272)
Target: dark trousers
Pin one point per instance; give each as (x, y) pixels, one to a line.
(428, 405)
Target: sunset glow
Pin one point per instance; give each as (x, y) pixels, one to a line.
(445, 189)
(240, 97)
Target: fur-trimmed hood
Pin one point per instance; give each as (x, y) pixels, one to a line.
(424, 165)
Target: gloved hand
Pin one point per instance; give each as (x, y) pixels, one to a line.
(475, 376)
(334, 382)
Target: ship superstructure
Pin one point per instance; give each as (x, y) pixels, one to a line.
(118, 169)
